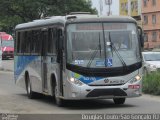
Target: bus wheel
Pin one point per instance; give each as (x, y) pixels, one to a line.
(119, 101)
(30, 93)
(58, 101)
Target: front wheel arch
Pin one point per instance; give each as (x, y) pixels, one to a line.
(30, 93)
(59, 101)
(53, 83)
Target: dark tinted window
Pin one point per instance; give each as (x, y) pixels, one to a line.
(52, 38)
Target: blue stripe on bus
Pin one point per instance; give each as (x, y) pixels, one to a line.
(21, 62)
(85, 79)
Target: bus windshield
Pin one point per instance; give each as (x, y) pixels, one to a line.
(7, 43)
(91, 44)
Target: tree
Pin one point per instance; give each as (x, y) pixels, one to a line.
(14, 12)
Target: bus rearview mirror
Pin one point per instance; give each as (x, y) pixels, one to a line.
(141, 36)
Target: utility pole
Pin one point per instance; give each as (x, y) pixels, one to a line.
(109, 11)
(108, 2)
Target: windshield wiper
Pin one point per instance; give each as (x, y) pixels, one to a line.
(117, 53)
(99, 48)
(93, 55)
(150, 60)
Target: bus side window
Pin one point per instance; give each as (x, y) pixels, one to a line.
(17, 46)
(44, 41)
(59, 45)
(38, 42)
(28, 42)
(51, 40)
(22, 43)
(35, 46)
(60, 39)
(32, 50)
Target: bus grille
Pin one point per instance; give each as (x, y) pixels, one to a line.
(106, 84)
(106, 92)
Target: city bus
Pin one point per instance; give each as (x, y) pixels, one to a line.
(75, 57)
(7, 45)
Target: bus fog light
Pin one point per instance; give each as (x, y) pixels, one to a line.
(73, 94)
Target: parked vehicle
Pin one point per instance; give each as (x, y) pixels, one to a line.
(0, 54)
(7, 45)
(151, 61)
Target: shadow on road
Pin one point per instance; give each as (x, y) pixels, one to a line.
(81, 104)
(7, 59)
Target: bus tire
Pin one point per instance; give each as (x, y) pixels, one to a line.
(119, 101)
(59, 101)
(30, 93)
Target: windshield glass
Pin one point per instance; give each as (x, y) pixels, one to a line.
(7, 43)
(152, 57)
(90, 44)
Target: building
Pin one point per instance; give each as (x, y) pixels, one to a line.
(106, 7)
(118, 7)
(130, 8)
(151, 23)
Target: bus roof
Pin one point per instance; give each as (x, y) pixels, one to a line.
(73, 18)
(104, 19)
(41, 22)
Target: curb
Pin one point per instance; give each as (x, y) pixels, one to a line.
(6, 70)
(151, 97)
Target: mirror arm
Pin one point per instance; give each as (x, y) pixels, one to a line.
(141, 36)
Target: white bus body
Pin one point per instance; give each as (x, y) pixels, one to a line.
(76, 57)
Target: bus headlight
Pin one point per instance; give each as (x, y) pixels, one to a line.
(138, 77)
(135, 79)
(76, 81)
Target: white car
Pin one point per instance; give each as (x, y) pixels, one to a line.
(151, 61)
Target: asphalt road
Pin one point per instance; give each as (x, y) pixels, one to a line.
(14, 100)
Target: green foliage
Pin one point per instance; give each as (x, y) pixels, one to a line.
(14, 12)
(151, 83)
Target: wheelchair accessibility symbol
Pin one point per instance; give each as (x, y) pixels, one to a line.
(109, 62)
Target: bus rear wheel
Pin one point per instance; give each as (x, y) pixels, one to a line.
(59, 101)
(119, 101)
(30, 93)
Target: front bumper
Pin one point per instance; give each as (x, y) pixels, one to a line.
(7, 55)
(74, 92)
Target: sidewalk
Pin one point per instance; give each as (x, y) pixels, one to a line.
(7, 65)
(151, 97)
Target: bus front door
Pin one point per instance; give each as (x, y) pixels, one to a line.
(44, 59)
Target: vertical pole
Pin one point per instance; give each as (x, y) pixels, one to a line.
(108, 3)
(101, 6)
(109, 12)
(0, 53)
